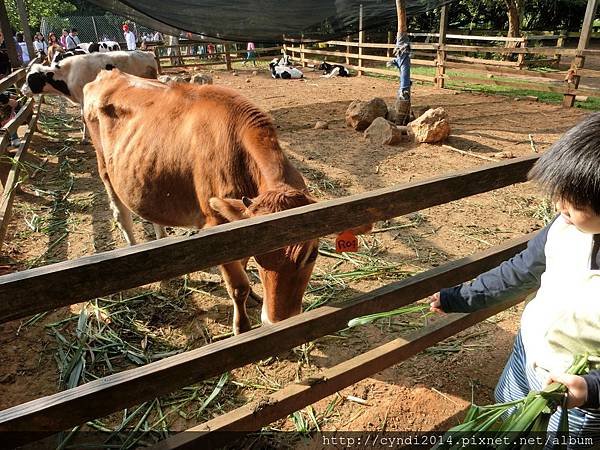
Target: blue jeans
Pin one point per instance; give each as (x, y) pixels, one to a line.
(518, 379)
(403, 64)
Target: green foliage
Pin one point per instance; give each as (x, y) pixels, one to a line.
(38, 9)
(493, 14)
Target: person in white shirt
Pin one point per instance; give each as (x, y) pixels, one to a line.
(24, 50)
(39, 44)
(129, 37)
(72, 39)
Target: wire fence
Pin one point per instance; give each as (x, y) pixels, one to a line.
(95, 28)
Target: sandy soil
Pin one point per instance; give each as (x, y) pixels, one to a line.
(62, 213)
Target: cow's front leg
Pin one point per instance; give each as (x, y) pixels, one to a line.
(159, 231)
(121, 213)
(86, 135)
(238, 287)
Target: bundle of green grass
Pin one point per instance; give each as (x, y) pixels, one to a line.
(521, 428)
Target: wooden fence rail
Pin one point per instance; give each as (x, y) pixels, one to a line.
(445, 55)
(253, 416)
(11, 162)
(44, 416)
(44, 288)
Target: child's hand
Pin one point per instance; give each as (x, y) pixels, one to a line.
(577, 389)
(435, 305)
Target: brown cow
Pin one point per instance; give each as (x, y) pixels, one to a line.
(197, 156)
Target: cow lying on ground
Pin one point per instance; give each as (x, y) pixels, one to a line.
(285, 72)
(333, 70)
(68, 77)
(284, 61)
(218, 162)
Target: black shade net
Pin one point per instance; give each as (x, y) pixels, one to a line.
(264, 21)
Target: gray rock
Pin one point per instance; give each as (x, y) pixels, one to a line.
(360, 115)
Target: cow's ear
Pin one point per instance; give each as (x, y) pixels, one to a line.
(231, 209)
(110, 67)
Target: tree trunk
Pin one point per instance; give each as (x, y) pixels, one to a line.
(26, 30)
(514, 18)
(401, 12)
(403, 106)
(8, 38)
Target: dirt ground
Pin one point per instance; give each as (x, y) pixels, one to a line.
(62, 212)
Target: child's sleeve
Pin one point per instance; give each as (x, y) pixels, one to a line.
(513, 278)
(593, 384)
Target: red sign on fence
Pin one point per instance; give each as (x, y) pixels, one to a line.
(346, 242)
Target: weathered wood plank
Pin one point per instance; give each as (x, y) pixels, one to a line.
(100, 397)
(21, 117)
(8, 194)
(253, 416)
(526, 50)
(40, 289)
(12, 79)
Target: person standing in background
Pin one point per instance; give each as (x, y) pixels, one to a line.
(24, 51)
(63, 38)
(39, 44)
(72, 39)
(129, 37)
(251, 54)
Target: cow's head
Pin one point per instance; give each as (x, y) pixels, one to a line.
(44, 80)
(323, 66)
(285, 272)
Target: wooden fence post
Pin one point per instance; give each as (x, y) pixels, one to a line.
(441, 53)
(227, 56)
(521, 56)
(388, 51)
(302, 62)
(347, 50)
(579, 59)
(157, 58)
(560, 43)
(361, 37)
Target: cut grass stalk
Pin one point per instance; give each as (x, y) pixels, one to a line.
(363, 320)
(525, 416)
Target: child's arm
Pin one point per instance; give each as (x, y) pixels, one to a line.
(583, 391)
(513, 278)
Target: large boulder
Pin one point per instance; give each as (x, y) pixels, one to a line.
(433, 126)
(382, 131)
(360, 115)
(201, 78)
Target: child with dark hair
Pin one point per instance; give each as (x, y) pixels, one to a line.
(562, 262)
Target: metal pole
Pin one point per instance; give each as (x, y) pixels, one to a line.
(95, 29)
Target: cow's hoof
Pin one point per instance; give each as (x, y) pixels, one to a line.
(242, 327)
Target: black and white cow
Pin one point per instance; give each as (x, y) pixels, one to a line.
(102, 47)
(333, 70)
(284, 61)
(68, 77)
(88, 47)
(60, 56)
(285, 72)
